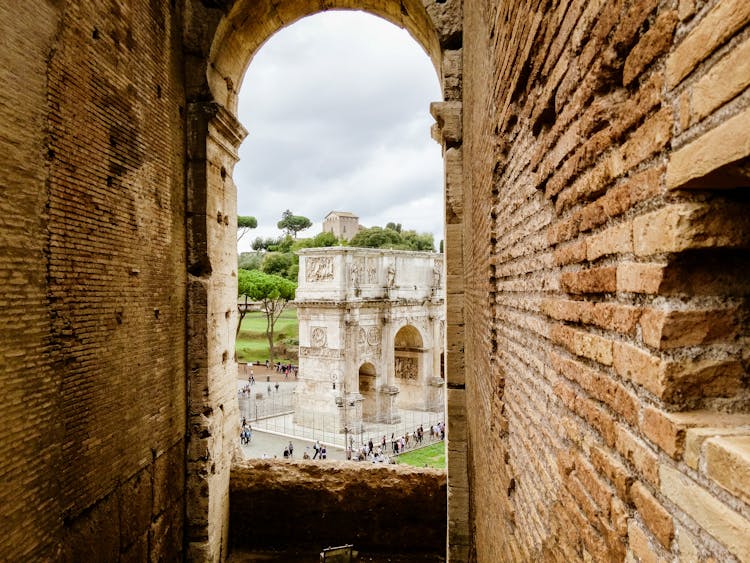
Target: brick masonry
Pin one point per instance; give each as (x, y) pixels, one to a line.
(596, 267)
(604, 163)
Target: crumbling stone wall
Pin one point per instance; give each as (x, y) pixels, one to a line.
(606, 279)
(308, 505)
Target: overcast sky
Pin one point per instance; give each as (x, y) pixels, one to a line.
(337, 109)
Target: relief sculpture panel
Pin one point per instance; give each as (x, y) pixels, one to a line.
(319, 269)
(406, 368)
(368, 341)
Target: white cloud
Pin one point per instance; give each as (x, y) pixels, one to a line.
(337, 109)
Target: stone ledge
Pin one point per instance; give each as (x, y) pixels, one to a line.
(276, 504)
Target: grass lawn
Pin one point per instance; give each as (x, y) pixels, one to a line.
(251, 342)
(431, 456)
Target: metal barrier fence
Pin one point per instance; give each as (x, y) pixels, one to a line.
(274, 412)
(257, 406)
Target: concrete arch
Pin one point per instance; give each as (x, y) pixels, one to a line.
(250, 23)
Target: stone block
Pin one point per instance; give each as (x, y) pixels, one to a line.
(673, 329)
(719, 520)
(684, 226)
(614, 240)
(449, 118)
(728, 463)
(634, 449)
(135, 507)
(668, 430)
(641, 546)
(696, 437)
(655, 42)
(593, 280)
(713, 29)
(169, 479)
(706, 162)
(725, 80)
(639, 277)
(656, 517)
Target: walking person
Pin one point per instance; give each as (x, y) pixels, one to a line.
(290, 447)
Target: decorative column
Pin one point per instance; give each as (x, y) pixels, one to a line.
(389, 390)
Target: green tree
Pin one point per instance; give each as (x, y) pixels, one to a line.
(250, 260)
(277, 263)
(377, 237)
(272, 292)
(265, 243)
(418, 241)
(318, 241)
(244, 224)
(293, 224)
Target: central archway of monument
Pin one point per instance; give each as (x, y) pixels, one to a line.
(222, 40)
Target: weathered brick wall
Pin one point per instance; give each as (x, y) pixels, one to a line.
(93, 264)
(606, 276)
(28, 452)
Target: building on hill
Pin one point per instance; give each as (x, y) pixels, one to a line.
(343, 224)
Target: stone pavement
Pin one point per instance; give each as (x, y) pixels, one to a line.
(272, 445)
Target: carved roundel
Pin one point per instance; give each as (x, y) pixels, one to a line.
(318, 337)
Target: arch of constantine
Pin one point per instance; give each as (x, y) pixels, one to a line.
(371, 330)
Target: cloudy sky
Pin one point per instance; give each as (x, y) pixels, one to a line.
(337, 109)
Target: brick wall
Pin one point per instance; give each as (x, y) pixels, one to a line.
(93, 334)
(606, 278)
(308, 505)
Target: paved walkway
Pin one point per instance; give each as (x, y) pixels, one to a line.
(272, 445)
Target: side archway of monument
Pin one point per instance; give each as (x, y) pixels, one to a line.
(220, 39)
(367, 387)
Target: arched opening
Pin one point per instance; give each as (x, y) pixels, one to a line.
(367, 381)
(231, 36)
(410, 365)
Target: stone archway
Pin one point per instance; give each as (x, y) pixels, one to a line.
(409, 364)
(220, 41)
(367, 381)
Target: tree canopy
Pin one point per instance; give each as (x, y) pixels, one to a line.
(378, 237)
(271, 291)
(292, 224)
(244, 224)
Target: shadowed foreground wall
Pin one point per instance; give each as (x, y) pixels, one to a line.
(606, 271)
(93, 272)
(308, 505)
